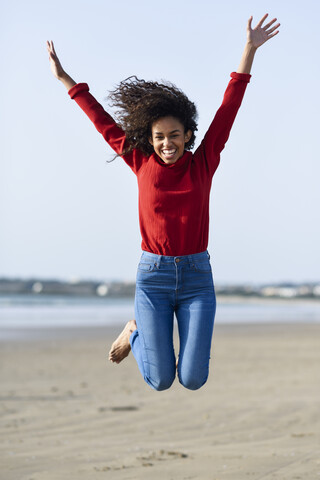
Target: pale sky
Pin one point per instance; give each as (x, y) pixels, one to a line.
(65, 212)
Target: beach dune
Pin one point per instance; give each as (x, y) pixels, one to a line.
(67, 413)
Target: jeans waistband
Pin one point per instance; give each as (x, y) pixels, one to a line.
(158, 259)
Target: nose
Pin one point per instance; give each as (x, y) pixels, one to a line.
(166, 142)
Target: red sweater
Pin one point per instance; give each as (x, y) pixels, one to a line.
(173, 199)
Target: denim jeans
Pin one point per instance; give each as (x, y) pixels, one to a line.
(166, 286)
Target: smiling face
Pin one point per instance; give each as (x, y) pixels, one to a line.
(169, 139)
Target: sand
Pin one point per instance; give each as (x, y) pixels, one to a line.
(67, 413)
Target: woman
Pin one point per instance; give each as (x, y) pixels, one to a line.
(156, 130)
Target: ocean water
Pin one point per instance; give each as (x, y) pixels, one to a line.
(26, 312)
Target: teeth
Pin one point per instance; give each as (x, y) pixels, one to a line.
(168, 152)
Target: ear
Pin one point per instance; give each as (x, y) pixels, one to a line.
(187, 136)
(150, 140)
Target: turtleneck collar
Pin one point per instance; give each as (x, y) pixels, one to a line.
(179, 163)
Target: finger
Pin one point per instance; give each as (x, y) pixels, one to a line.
(250, 22)
(49, 50)
(262, 20)
(53, 49)
(273, 29)
(54, 52)
(269, 24)
(275, 33)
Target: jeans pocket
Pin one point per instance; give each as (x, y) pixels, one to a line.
(202, 266)
(145, 266)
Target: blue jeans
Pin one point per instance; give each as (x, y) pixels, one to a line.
(166, 286)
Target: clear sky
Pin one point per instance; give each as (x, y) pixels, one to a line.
(65, 212)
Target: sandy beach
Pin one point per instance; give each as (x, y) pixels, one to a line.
(67, 413)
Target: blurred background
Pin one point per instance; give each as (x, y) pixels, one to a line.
(68, 214)
(65, 212)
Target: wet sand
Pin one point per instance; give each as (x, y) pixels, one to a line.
(67, 413)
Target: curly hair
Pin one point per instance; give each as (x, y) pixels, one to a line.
(140, 103)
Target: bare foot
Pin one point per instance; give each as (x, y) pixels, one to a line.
(120, 348)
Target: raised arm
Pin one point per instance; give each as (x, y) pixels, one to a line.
(101, 119)
(255, 38)
(219, 130)
(80, 92)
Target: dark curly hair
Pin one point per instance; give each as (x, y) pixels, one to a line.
(139, 104)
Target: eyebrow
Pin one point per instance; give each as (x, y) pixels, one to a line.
(173, 131)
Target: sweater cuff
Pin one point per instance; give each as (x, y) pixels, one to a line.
(245, 77)
(79, 87)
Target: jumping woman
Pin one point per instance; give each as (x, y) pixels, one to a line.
(154, 135)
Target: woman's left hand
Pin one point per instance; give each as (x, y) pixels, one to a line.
(260, 34)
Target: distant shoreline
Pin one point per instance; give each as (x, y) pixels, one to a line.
(221, 298)
(34, 287)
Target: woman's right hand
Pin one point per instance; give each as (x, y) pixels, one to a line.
(57, 69)
(55, 64)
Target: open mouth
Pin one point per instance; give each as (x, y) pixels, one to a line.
(169, 154)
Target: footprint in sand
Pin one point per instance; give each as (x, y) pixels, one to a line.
(162, 455)
(126, 408)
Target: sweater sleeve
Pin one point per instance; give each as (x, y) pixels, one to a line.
(218, 133)
(105, 124)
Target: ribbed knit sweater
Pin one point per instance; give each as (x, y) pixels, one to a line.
(173, 198)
